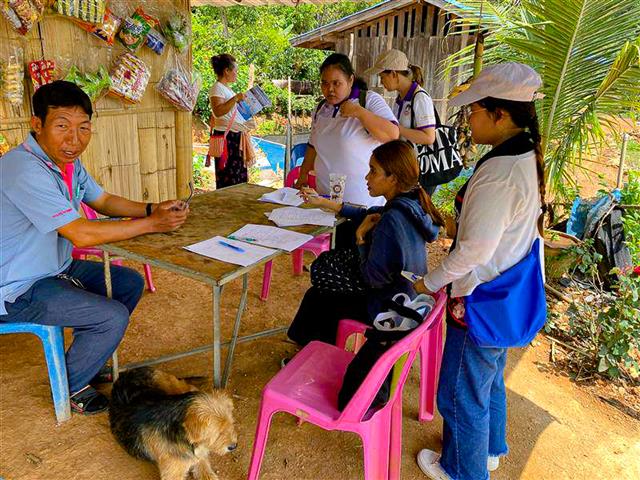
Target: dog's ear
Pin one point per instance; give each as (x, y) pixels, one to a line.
(195, 423)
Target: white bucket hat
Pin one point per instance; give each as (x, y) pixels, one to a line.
(393, 59)
(508, 81)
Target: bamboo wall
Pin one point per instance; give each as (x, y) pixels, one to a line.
(421, 32)
(142, 151)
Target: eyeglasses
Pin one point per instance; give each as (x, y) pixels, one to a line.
(467, 112)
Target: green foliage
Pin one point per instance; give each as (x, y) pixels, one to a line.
(444, 198)
(588, 53)
(261, 35)
(202, 178)
(631, 218)
(271, 126)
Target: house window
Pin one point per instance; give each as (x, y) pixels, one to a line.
(447, 24)
(395, 26)
(423, 22)
(378, 29)
(369, 31)
(413, 22)
(359, 33)
(434, 22)
(386, 26)
(406, 24)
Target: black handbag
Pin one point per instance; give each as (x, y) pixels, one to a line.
(440, 162)
(338, 271)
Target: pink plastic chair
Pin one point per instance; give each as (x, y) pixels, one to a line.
(307, 387)
(317, 245)
(83, 253)
(430, 361)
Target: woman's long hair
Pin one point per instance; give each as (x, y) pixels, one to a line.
(524, 116)
(221, 62)
(398, 158)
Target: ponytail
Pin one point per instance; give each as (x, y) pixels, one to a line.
(534, 131)
(429, 208)
(417, 74)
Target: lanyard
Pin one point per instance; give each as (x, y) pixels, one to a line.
(67, 174)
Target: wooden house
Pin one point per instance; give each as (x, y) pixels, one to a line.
(422, 29)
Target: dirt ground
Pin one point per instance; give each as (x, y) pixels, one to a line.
(556, 429)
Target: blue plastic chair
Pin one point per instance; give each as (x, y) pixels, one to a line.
(52, 339)
(297, 154)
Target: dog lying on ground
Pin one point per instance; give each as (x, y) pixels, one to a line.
(160, 418)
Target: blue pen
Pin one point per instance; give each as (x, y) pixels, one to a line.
(232, 247)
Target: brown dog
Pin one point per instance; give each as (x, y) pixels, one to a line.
(160, 418)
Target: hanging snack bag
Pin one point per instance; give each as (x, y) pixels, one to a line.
(135, 29)
(91, 83)
(156, 41)
(41, 72)
(13, 86)
(129, 78)
(22, 15)
(178, 87)
(177, 32)
(91, 11)
(105, 30)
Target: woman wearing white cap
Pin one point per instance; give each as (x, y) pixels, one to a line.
(500, 212)
(347, 126)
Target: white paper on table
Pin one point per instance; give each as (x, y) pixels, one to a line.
(283, 196)
(274, 237)
(293, 216)
(212, 248)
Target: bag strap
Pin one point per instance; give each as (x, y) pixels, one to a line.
(226, 132)
(413, 113)
(320, 105)
(362, 98)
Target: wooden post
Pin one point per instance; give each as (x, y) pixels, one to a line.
(623, 154)
(288, 133)
(184, 139)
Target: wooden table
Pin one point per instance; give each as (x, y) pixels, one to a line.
(220, 212)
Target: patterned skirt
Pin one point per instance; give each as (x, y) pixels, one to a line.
(234, 172)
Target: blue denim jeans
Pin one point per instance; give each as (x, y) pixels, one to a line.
(98, 323)
(472, 401)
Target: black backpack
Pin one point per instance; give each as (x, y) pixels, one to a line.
(440, 162)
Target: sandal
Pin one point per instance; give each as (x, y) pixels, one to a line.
(104, 375)
(89, 401)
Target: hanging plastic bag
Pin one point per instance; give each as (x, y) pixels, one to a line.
(41, 72)
(91, 11)
(177, 31)
(91, 83)
(136, 28)
(179, 86)
(22, 15)
(105, 30)
(129, 78)
(13, 76)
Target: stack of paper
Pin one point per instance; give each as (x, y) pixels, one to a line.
(271, 237)
(230, 251)
(283, 196)
(293, 216)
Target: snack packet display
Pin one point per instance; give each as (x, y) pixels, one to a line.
(4, 145)
(91, 83)
(135, 29)
(105, 30)
(13, 74)
(177, 32)
(179, 88)
(156, 41)
(22, 15)
(91, 11)
(129, 78)
(41, 72)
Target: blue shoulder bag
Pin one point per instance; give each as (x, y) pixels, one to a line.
(509, 310)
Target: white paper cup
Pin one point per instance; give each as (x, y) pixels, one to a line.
(337, 183)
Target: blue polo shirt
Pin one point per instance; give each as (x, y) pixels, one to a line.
(34, 202)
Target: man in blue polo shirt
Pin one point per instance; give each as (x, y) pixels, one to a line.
(42, 184)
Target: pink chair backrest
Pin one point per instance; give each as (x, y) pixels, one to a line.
(89, 212)
(361, 401)
(293, 176)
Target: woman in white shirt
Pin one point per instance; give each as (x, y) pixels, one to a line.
(224, 109)
(500, 212)
(347, 126)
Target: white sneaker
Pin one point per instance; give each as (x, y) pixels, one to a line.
(429, 463)
(493, 463)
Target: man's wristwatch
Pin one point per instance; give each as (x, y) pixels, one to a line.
(148, 209)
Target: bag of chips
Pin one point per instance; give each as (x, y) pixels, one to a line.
(91, 11)
(177, 32)
(156, 41)
(136, 28)
(179, 88)
(91, 83)
(22, 15)
(129, 78)
(41, 72)
(105, 30)
(13, 75)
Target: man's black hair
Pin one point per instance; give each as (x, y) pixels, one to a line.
(60, 94)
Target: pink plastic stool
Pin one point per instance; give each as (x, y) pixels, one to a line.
(317, 245)
(430, 361)
(83, 253)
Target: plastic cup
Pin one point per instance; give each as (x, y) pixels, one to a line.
(337, 182)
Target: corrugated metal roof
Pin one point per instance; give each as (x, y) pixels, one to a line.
(257, 3)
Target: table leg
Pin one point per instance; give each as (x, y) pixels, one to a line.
(236, 328)
(216, 336)
(109, 289)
